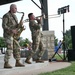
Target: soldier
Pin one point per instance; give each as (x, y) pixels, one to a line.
(37, 44)
(9, 24)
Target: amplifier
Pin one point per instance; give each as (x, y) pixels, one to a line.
(71, 55)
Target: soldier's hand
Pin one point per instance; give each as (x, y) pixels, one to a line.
(38, 20)
(21, 23)
(14, 31)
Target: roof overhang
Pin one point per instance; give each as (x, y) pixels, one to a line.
(2, 2)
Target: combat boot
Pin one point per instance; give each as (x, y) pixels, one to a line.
(39, 61)
(27, 61)
(7, 65)
(18, 64)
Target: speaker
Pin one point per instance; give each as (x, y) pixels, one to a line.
(73, 36)
(71, 55)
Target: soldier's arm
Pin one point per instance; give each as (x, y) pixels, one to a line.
(5, 22)
(39, 20)
(33, 23)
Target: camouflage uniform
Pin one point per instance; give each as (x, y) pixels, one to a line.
(37, 44)
(9, 23)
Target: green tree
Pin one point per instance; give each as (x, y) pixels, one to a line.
(68, 39)
(55, 41)
(23, 42)
(2, 42)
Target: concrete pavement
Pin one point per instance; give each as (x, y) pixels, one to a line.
(31, 69)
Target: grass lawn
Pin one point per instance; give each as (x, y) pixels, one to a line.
(66, 71)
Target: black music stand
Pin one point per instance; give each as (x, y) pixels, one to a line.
(63, 10)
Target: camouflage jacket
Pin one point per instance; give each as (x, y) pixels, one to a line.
(34, 27)
(9, 22)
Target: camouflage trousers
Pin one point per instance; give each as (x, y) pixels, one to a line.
(37, 46)
(12, 48)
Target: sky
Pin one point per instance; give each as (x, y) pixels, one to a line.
(55, 24)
